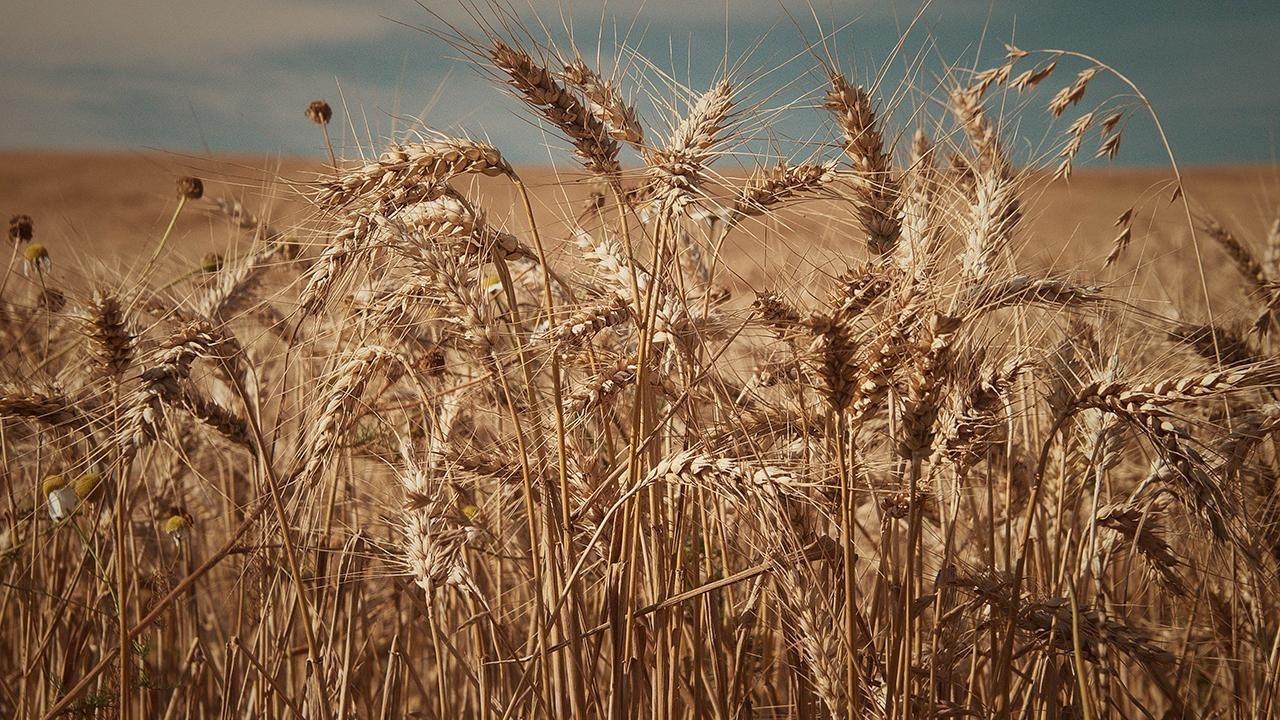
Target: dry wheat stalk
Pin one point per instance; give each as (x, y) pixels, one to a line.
(879, 195)
(109, 329)
(579, 328)
(1141, 529)
(767, 189)
(225, 422)
(677, 171)
(340, 406)
(160, 383)
(538, 87)
(402, 167)
(605, 103)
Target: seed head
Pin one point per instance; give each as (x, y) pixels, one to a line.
(62, 497)
(175, 524)
(86, 484)
(319, 112)
(52, 483)
(37, 257)
(21, 229)
(191, 188)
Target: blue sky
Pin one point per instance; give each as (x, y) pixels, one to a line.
(199, 76)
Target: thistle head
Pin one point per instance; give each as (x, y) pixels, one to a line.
(191, 188)
(21, 229)
(319, 112)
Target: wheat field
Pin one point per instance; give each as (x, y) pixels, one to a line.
(909, 422)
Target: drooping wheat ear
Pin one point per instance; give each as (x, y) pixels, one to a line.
(465, 300)
(780, 316)
(232, 288)
(606, 103)
(113, 339)
(769, 188)
(1102, 444)
(1141, 528)
(1020, 290)
(1180, 466)
(925, 384)
(1243, 258)
(1187, 474)
(539, 89)
(435, 532)
(601, 389)
(584, 324)
(1052, 620)
(677, 172)
(354, 237)
(342, 400)
(1122, 396)
(1215, 343)
(880, 362)
(1248, 434)
(977, 420)
(455, 224)
(820, 648)
(879, 192)
(762, 488)
(160, 383)
(833, 357)
(402, 167)
(48, 405)
(859, 288)
(395, 312)
(218, 418)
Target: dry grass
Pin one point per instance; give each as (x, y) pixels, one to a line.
(879, 432)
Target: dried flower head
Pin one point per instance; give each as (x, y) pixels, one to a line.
(86, 484)
(319, 112)
(62, 497)
(37, 257)
(52, 483)
(21, 229)
(191, 188)
(178, 524)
